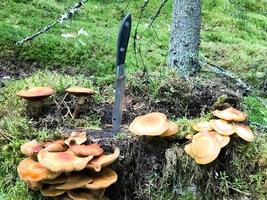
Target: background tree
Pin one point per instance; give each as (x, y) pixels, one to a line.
(185, 36)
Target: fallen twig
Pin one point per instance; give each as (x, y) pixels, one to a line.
(67, 15)
(222, 72)
(136, 28)
(258, 125)
(157, 13)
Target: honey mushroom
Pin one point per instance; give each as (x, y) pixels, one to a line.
(36, 95)
(61, 173)
(31, 148)
(78, 137)
(172, 130)
(66, 161)
(32, 172)
(206, 144)
(103, 160)
(80, 93)
(152, 124)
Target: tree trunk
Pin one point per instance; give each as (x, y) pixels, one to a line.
(185, 36)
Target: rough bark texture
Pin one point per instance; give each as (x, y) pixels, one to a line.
(185, 36)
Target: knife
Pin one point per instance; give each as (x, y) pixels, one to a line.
(123, 39)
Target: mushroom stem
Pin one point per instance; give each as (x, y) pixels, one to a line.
(80, 102)
(34, 107)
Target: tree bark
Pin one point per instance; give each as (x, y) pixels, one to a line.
(185, 36)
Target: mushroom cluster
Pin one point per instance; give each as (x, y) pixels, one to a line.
(68, 169)
(215, 134)
(153, 124)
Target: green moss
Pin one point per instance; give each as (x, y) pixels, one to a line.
(230, 29)
(257, 109)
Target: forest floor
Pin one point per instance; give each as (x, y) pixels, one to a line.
(233, 36)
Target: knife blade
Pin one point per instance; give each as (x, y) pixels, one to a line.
(123, 39)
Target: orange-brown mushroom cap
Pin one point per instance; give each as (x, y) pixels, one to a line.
(152, 124)
(202, 126)
(31, 171)
(74, 181)
(222, 127)
(77, 137)
(36, 93)
(223, 140)
(56, 146)
(86, 150)
(188, 150)
(205, 149)
(34, 185)
(230, 114)
(51, 191)
(102, 179)
(82, 194)
(31, 148)
(103, 160)
(80, 91)
(172, 130)
(65, 161)
(244, 132)
(58, 180)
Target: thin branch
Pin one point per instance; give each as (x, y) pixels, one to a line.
(67, 15)
(136, 28)
(262, 126)
(157, 14)
(222, 72)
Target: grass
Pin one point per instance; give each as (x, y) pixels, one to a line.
(233, 36)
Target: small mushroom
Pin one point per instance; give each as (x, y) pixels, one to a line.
(86, 150)
(65, 161)
(230, 114)
(244, 132)
(31, 171)
(51, 191)
(204, 149)
(152, 124)
(78, 137)
(81, 93)
(189, 136)
(202, 126)
(188, 150)
(31, 148)
(56, 146)
(102, 179)
(222, 127)
(104, 160)
(223, 140)
(36, 95)
(74, 181)
(172, 130)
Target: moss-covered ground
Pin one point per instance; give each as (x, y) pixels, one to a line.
(233, 36)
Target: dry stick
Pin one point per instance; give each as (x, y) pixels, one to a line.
(67, 15)
(222, 72)
(262, 126)
(136, 28)
(157, 14)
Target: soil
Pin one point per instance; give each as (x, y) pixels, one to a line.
(142, 162)
(13, 68)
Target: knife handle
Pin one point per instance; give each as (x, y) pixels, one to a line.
(123, 39)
